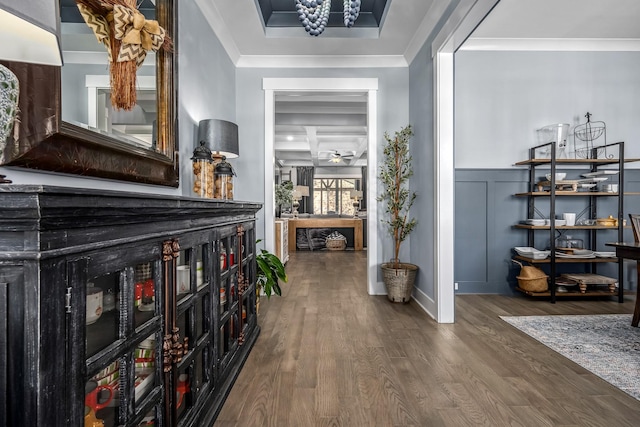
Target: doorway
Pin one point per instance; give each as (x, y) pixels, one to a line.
(271, 86)
(453, 33)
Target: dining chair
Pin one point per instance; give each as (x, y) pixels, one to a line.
(635, 225)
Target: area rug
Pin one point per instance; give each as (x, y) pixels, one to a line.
(605, 344)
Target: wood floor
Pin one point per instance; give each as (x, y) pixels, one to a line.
(330, 355)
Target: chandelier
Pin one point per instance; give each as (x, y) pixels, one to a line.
(314, 14)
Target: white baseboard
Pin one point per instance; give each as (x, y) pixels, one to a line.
(378, 289)
(425, 302)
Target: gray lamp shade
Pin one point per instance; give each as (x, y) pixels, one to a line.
(30, 31)
(220, 136)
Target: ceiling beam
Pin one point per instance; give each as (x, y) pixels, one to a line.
(362, 148)
(312, 137)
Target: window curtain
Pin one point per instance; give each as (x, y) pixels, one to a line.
(363, 188)
(304, 175)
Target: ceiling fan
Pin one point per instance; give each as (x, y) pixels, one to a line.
(337, 157)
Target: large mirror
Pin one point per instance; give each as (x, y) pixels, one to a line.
(67, 123)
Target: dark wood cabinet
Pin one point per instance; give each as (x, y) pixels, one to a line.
(122, 308)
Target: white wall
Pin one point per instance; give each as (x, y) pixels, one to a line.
(503, 97)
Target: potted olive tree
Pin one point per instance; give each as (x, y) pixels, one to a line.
(395, 172)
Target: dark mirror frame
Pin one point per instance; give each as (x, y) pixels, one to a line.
(41, 140)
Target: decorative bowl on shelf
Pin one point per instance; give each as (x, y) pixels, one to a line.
(530, 252)
(587, 185)
(607, 222)
(559, 176)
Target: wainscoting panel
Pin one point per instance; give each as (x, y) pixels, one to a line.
(471, 232)
(486, 211)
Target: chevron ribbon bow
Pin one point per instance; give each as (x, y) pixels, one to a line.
(137, 34)
(98, 24)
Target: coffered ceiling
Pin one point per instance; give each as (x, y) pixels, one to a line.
(321, 129)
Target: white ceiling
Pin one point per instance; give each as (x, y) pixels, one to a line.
(407, 25)
(309, 125)
(239, 27)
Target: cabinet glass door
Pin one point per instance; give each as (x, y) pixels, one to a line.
(122, 329)
(193, 373)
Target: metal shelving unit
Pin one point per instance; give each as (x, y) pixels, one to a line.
(550, 165)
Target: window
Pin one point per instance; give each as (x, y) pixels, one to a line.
(334, 195)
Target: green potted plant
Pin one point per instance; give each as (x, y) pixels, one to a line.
(270, 272)
(395, 172)
(283, 195)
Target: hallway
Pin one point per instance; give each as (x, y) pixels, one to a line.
(330, 355)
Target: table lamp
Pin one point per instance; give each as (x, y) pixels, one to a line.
(221, 137)
(356, 196)
(30, 32)
(298, 192)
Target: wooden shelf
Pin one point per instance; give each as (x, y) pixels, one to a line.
(574, 161)
(566, 260)
(565, 227)
(590, 293)
(567, 193)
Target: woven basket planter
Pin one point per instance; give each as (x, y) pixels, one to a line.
(399, 281)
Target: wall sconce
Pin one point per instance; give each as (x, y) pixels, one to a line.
(298, 192)
(30, 32)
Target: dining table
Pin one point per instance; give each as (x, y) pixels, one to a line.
(630, 251)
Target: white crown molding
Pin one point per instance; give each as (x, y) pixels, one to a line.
(217, 24)
(353, 84)
(551, 44)
(321, 61)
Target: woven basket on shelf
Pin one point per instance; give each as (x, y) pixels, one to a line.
(532, 279)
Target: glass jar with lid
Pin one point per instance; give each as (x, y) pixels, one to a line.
(224, 180)
(568, 242)
(203, 170)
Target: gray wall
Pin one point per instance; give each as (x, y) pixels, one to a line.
(501, 98)
(207, 84)
(421, 242)
(393, 113)
(487, 210)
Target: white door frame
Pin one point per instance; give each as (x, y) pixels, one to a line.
(455, 31)
(369, 85)
(95, 82)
